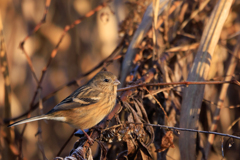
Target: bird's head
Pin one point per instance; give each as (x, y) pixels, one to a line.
(105, 80)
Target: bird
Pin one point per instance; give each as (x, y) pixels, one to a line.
(86, 106)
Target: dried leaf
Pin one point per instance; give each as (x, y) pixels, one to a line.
(167, 141)
(144, 148)
(135, 116)
(122, 154)
(103, 155)
(138, 109)
(149, 129)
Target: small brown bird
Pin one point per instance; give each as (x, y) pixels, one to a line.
(86, 106)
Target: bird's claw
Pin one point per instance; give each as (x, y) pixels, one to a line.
(90, 140)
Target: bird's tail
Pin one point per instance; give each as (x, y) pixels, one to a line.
(29, 120)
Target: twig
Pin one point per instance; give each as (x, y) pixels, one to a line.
(47, 4)
(173, 128)
(186, 129)
(233, 123)
(178, 83)
(194, 13)
(36, 28)
(157, 102)
(64, 145)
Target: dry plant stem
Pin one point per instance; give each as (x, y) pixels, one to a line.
(173, 8)
(154, 28)
(233, 123)
(166, 24)
(183, 48)
(193, 95)
(36, 28)
(194, 13)
(7, 152)
(223, 93)
(138, 37)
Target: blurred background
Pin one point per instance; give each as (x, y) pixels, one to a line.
(91, 41)
(82, 48)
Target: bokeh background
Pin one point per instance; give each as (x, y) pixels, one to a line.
(87, 44)
(82, 48)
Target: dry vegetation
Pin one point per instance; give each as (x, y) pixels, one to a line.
(177, 62)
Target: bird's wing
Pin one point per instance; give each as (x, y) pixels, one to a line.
(81, 97)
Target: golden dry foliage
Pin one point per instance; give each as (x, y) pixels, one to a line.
(178, 62)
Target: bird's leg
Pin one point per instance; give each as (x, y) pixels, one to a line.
(91, 141)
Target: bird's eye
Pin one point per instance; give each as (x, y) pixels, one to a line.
(106, 80)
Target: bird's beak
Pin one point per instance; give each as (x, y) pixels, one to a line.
(116, 82)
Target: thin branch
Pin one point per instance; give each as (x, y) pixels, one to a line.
(157, 102)
(178, 83)
(64, 145)
(47, 4)
(186, 129)
(36, 28)
(233, 123)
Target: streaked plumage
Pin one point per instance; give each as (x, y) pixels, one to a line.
(86, 106)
